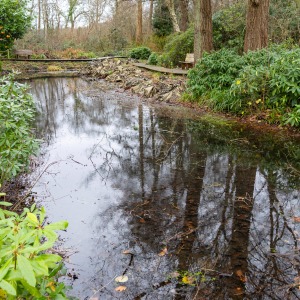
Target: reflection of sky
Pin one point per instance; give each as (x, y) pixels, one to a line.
(104, 185)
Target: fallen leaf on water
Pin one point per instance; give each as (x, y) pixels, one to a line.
(163, 252)
(188, 279)
(121, 288)
(297, 282)
(122, 278)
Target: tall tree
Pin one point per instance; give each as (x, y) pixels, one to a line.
(139, 22)
(257, 25)
(203, 41)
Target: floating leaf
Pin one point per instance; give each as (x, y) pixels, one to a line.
(121, 288)
(188, 279)
(163, 252)
(122, 278)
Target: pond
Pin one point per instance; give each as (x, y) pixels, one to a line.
(186, 208)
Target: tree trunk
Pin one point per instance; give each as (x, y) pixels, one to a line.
(139, 23)
(39, 15)
(203, 41)
(257, 25)
(171, 7)
(150, 16)
(184, 18)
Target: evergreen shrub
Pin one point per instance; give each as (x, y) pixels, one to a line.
(153, 59)
(262, 80)
(176, 48)
(140, 53)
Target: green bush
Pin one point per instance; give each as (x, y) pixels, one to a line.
(17, 141)
(153, 59)
(176, 48)
(140, 53)
(215, 71)
(27, 269)
(260, 80)
(14, 22)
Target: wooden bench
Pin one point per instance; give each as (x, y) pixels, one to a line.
(23, 53)
(189, 61)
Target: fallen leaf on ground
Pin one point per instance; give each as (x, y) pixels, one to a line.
(296, 219)
(121, 288)
(142, 220)
(163, 252)
(126, 252)
(122, 278)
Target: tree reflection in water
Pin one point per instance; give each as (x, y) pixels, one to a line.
(157, 181)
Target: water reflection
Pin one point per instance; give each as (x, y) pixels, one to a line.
(139, 178)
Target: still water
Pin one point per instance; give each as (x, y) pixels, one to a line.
(185, 208)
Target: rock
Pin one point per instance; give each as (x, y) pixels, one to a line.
(141, 82)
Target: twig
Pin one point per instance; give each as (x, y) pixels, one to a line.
(102, 287)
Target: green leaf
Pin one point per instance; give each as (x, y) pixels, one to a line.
(32, 218)
(3, 203)
(40, 268)
(26, 269)
(32, 290)
(4, 269)
(8, 288)
(62, 225)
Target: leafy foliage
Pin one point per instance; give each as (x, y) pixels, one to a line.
(140, 53)
(176, 48)
(27, 270)
(153, 59)
(14, 22)
(17, 142)
(262, 80)
(229, 27)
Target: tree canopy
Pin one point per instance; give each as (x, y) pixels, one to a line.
(14, 22)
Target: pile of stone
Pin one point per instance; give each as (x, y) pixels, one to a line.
(144, 83)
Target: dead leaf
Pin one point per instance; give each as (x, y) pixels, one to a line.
(296, 219)
(241, 275)
(121, 288)
(163, 252)
(122, 278)
(142, 220)
(126, 252)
